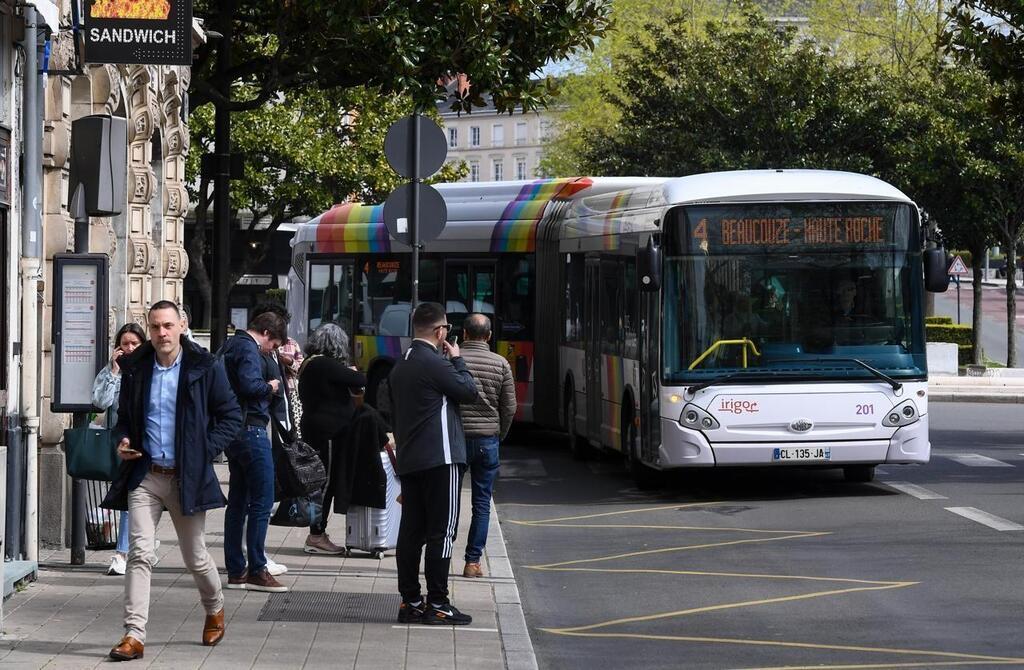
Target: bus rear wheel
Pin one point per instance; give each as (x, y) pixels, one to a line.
(578, 446)
(859, 473)
(645, 478)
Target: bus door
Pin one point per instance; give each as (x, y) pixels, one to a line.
(330, 293)
(650, 414)
(592, 350)
(469, 287)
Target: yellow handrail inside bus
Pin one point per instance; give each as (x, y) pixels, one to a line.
(745, 342)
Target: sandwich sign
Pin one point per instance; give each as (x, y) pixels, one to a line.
(145, 32)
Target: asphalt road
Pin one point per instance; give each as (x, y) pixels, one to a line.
(993, 307)
(773, 568)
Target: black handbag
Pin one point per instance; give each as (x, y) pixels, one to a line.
(300, 471)
(91, 454)
(300, 511)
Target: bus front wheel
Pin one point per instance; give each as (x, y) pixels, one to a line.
(859, 473)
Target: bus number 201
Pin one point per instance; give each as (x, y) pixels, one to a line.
(865, 409)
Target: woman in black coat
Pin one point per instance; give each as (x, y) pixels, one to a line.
(327, 388)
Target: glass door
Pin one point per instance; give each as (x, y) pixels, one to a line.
(469, 288)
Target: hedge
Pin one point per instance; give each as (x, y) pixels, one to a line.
(938, 320)
(950, 332)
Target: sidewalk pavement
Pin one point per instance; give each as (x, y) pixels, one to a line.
(1002, 385)
(71, 616)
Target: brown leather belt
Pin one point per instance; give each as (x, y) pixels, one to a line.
(161, 470)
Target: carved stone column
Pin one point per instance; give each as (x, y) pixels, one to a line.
(175, 149)
(141, 102)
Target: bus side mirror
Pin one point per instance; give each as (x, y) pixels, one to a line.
(648, 266)
(936, 278)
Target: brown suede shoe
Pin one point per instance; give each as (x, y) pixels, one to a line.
(473, 570)
(213, 629)
(264, 581)
(128, 649)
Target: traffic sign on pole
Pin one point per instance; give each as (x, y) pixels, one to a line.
(432, 213)
(958, 268)
(404, 135)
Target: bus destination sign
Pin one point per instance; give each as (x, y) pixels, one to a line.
(724, 232)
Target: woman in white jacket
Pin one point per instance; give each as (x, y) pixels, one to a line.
(106, 390)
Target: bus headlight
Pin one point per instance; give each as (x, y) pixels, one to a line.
(696, 418)
(901, 415)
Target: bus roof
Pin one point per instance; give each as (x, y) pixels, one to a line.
(499, 216)
(775, 185)
(503, 216)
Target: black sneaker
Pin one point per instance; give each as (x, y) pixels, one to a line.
(445, 615)
(411, 613)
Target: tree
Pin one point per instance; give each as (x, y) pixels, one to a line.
(741, 94)
(302, 155)
(407, 47)
(988, 33)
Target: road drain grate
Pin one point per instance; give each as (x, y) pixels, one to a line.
(331, 607)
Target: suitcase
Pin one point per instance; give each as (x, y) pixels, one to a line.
(376, 530)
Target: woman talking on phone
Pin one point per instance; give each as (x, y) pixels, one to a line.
(105, 392)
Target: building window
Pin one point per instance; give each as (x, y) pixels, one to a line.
(520, 168)
(474, 136)
(453, 138)
(499, 170)
(520, 134)
(474, 170)
(545, 131)
(497, 135)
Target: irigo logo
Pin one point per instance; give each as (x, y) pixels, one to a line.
(738, 406)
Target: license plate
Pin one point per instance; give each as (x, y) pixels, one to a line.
(781, 454)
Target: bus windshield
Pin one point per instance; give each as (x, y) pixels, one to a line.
(800, 291)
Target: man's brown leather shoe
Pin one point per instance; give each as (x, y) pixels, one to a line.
(128, 649)
(473, 570)
(213, 629)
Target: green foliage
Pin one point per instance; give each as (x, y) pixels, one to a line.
(957, 334)
(407, 48)
(939, 320)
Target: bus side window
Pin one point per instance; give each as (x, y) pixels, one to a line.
(630, 312)
(611, 316)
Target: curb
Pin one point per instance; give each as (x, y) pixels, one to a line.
(959, 396)
(515, 635)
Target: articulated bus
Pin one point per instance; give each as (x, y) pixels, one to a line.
(770, 317)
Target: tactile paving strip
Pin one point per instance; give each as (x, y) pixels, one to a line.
(331, 607)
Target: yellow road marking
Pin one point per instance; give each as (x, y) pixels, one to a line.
(728, 606)
(975, 658)
(667, 550)
(587, 630)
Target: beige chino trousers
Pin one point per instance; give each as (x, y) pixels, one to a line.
(145, 507)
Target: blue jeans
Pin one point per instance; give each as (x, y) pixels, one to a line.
(122, 534)
(250, 499)
(482, 459)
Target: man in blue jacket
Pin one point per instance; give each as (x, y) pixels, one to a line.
(175, 414)
(250, 461)
(426, 385)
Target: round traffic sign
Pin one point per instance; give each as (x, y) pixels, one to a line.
(431, 215)
(402, 138)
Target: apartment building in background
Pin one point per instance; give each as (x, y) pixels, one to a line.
(496, 147)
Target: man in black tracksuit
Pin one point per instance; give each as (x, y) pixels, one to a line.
(426, 388)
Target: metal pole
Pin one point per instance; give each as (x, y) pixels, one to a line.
(79, 419)
(958, 300)
(31, 277)
(414, 224)
(221, 257)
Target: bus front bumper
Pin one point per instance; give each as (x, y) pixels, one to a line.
(684, 448)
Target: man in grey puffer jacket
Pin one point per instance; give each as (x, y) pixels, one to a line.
(486, 422)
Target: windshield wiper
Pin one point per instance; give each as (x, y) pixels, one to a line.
(744, 374)
(896, 386)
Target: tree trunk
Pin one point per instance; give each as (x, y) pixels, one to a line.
(197, 254)
(978, 272)
(1011, 304)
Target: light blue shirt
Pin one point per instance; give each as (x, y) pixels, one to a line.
(163, 398)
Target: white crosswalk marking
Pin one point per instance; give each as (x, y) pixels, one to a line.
(984, 518)
(918, 492)
(977, 461)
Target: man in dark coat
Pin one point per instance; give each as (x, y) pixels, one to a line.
(176, 413)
